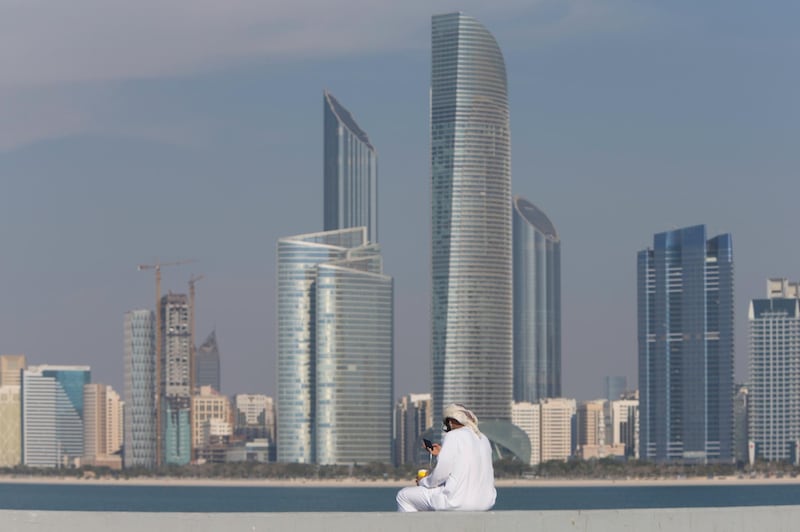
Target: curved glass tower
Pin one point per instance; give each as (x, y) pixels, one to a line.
(140, 406)
(471, 219)
(354, 361)
(350, 172)
(335, 349)
(537, 304)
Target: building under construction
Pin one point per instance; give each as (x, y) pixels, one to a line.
(175, 378)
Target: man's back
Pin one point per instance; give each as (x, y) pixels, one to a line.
(465, 467)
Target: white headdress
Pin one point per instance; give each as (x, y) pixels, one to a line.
(463, 415)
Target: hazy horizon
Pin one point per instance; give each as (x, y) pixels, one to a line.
(184, 131)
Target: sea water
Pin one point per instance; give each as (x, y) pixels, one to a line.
(213, 499)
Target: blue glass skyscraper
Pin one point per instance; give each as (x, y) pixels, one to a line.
(350, 172)
(537, 304)
(685, 337)
(471, 219)
(207, 366)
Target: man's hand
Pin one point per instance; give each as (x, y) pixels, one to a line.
(436, 449)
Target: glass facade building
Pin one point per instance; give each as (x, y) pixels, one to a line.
(350, 172)
(175, 382)
(774, 385)
(471, 220)
(685, 338)
(207, 366)
(139, 388)
(335, 349)
(537, 304)
(52, 414)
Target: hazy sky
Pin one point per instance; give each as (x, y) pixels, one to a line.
(131, 131)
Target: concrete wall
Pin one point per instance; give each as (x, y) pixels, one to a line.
(755, 518)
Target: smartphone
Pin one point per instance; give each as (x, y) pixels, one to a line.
(428, 444)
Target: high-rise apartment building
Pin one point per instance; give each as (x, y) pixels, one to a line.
(254, 417)
(413, 415)
(10, 369)
(528, 417)
(102, 426)
(685, 337)
(10, 426)
(139, 388)
(625, 426)
(208, 404)
(52, 414)
(471, 219)
(537, 303)
(350, 172)
(774, 385)
(558, 416)
(335, 349)
(590, 429)
(175, 380)
(207, 367)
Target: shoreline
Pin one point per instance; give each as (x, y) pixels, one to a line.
(360, 483)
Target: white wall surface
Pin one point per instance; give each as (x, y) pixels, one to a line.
(739, 519)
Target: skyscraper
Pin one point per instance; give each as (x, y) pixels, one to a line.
(471, 219)
(615, 386)
(335, 349)
(350, 172)
(537, 304)
(175, 380)
(412, 417)
(139, 392)
(774, 387)
(685, 336)
(207, 364)
(52, 414)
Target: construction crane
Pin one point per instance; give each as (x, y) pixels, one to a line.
(157, 267)
(192, 353)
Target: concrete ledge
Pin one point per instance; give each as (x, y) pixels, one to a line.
(734, 519)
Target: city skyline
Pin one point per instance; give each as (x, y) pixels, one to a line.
(608, 113)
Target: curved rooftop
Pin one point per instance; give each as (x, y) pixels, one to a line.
(344, 116)
(535, 216)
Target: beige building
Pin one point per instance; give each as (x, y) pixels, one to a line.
(208, 405)
(10, 367)
(102, 426)
(590, 429)
(625, 427)
(528, 417)
(10, 426)
(557, 414)
(254, 416)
